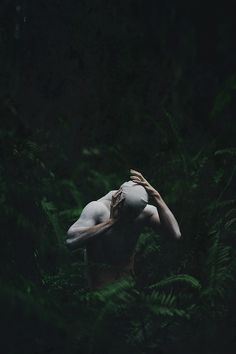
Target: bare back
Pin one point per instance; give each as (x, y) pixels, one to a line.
(111, 256)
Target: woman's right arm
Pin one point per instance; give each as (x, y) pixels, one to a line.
(88, 226)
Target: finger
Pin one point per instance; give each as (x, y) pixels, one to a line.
(116, 193)
(119, 196)
(136, 177)
(136, 173)
(143, 183)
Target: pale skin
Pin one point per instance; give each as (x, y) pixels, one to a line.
(110, 236)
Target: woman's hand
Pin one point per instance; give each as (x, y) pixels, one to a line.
(138, 178)
(117, 201)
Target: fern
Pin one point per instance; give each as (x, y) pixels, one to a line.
(51, 211)
(230, 219)
(221, 204)
(114, 299)
(179, 278)
(111, 293)
(73, 190)
(148, 244)
(228, 151)
(219, 271)
(141, 305)
(224, 96)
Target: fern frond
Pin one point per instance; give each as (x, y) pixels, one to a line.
(115, 298)
(229, 151)
(218, 266)
(74, 191)
(230, 212)
(148, 244)
(111, 292)
(219, 205)
(163, 304)
(229, 223)
(51, 211)
(188, 279)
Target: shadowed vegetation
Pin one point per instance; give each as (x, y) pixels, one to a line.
(88, 90)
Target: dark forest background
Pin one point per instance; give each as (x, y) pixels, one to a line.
(88, 90)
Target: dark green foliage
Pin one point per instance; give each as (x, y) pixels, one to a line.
(88, 90)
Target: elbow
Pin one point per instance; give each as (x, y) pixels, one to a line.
(178, 235)
(173, 234)
(69, 242)
(73, 244)
(70, 233)
(73, 240)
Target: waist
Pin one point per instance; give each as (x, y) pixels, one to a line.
(101, 274)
